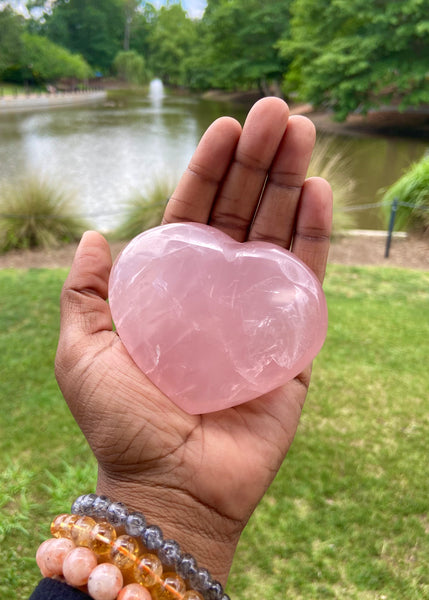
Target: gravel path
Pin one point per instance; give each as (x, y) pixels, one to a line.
(410, 252)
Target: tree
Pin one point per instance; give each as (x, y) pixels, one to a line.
(47, 62)
(353, 55)
(93, 28)
(241, 42)
(130, 67)
(170, 41)
(143, 21)
(130, 7)
(11, 29)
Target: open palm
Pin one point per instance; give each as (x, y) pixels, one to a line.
(198, 476)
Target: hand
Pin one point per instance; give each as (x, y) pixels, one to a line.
(198, 477)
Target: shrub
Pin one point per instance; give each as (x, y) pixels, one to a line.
(50, 62)
(334, 166)
(130, 67)
(37, 213)
(413, 189)
(145, 210)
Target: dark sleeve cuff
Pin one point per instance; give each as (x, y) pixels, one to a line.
(51, 589)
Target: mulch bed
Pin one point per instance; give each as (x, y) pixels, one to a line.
(411, 252)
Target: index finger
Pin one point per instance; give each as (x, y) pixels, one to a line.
(196, 191)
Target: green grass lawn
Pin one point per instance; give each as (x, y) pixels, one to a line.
(11, 89)
(348, 514)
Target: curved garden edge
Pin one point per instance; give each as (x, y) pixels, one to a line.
(410, 252)
(46, 101)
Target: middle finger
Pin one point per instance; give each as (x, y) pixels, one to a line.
(239, 195)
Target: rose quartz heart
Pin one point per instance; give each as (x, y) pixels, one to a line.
(213, 322)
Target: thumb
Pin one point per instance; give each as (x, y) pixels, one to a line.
(84, 310)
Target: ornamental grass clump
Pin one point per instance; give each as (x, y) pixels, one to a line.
(412, 193)
(144, 210)
(334, 166)
(37, 213)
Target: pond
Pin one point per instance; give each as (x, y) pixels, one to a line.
(107, 152)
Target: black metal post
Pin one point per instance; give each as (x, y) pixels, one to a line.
(393, 211)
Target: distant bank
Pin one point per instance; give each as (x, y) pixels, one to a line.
(45, 101)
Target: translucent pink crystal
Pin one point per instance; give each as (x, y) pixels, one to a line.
(213, 322)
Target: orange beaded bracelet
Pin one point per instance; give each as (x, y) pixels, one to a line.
(81, 545)
(98, 555)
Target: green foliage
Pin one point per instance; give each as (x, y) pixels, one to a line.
(49, 62)
(346, 517)
(94, 29)
(344, 55)
(412, 188)
(34, 213)
(144, 211)
(30, 58)
(130, 67)
(11, 29)
(237, 48)
(140, 28)
(171, 38)
(357, 55)
(334, 166)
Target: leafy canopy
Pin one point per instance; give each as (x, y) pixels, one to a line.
(49, 62)
(237, 48)
(11, 29)
(354, 54)
(94, 29)
(172, 35)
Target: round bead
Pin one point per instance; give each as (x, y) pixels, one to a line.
(148, 569)
(100, 506)
(105, 582)
(124, 552)
(214, 591)
(169, 553)
(117, 514)
(61, 526)
(40, 558)
(201, 580)
(51, 556)
(78, 565)
(135, 524)
(77, 506)
(152, 537)
(192, 595)
(134, 591)
(101, 538)
(81, 531)
(186, 566)
(56, 525)
(88, 502)
(172, 587)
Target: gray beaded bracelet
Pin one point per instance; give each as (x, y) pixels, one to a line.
(168, 551)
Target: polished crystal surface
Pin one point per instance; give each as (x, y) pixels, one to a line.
(213, 322)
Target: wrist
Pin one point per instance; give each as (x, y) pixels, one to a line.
(199, 530)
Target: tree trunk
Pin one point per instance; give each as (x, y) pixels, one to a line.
(127, 31)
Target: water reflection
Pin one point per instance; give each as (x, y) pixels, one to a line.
(106, 152)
